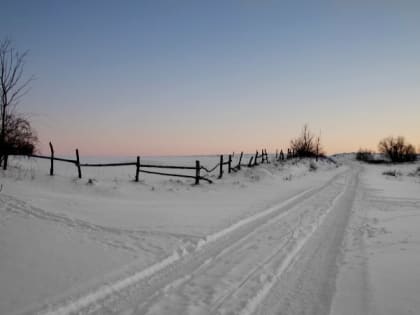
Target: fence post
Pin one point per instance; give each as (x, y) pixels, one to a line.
(266, 157)
(197, 172)
(256, 157)
(240, 160)
(52, 159)
(230, 164)
(5, 158)
(78, 163)
(250, 161)
(221, 167)
(137, 168)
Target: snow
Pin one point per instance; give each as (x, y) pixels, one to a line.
(280, 237)
(71, 236)
(102, 292)
(380, 272)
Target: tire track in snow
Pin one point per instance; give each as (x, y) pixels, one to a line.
(254, 302)
(181, 274)
(166, 272)
(226, 265)
(113, 288)
(307, 283)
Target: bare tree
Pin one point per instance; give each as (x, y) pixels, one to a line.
(307, 144)
(12, 87)
(397, 150)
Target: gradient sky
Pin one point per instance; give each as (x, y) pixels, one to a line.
(200, 77)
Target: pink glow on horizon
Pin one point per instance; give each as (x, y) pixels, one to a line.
(331, 145)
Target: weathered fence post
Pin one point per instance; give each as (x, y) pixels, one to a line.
(230, 164)
(52, 160)
(5, 159)
(266, 157)
(256, 157)
(240, 160)
(79, 170)
(197, 172)
(137, 168)
(250, 161)
(221, 167)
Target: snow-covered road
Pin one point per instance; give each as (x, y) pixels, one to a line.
(282, 260)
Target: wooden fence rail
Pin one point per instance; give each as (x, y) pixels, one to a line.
(107, 164)
(49, 158)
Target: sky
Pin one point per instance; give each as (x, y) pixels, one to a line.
(208, 77)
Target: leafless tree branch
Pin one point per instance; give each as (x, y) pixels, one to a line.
(13, 87)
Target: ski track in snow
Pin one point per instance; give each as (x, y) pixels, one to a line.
(232, 271)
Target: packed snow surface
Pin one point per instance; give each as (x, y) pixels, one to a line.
(294, 237)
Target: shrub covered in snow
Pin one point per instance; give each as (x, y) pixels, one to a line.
(364, 155)
(416, 172)
(312, 166)
(394, 173)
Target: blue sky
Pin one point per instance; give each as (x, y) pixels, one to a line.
(197, 77)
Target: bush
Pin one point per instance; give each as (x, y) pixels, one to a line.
(415, 172)
(306, 145)
(312, 166)
(397, 150)
(394, 173)
(20, 138)
(364, 155)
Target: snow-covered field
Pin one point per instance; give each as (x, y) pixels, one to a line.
(278, 238)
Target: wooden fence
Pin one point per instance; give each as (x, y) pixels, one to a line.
(231, 167)
(140, 168)
(197, 169)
